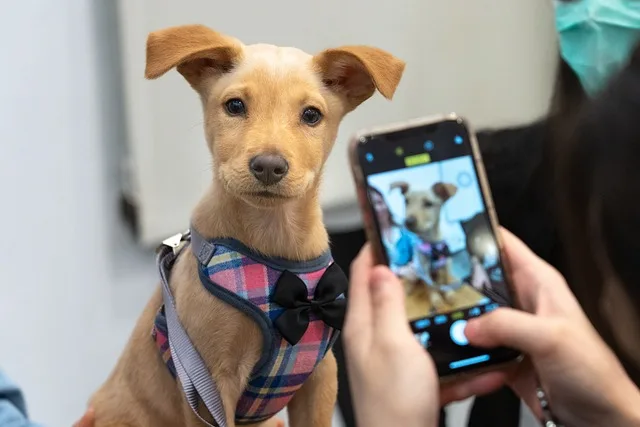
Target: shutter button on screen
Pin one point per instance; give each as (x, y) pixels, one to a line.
(457, 332)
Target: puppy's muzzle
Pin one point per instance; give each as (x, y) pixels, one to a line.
(269, 169)
(411, 222)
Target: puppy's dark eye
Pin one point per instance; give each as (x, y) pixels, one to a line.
(427, 204)
(235, 107)
(311, 116)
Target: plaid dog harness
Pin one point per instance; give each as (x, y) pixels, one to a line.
(298, 306)
(437, 252)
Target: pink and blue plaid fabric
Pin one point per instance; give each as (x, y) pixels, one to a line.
(286, 367)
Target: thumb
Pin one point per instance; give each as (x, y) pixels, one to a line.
(518, 253)
(387, 302)
(507, 327)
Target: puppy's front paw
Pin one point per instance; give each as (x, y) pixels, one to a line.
(437, 303)
(449, 296)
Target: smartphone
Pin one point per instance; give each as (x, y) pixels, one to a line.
(429, 216)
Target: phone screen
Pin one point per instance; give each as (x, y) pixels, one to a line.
(431, 216)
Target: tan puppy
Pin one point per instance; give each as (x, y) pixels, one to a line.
(282, 107)
(432, 262)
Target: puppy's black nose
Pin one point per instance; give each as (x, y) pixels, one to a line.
(411, 222)
(269, 169)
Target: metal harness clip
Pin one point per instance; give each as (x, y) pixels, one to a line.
(176, 241)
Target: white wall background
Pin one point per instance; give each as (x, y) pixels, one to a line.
(72, 283)
(490, 60)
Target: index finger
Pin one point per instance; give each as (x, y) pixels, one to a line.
(520, 256)
(519, 262)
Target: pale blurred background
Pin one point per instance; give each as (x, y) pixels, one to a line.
(81, 131)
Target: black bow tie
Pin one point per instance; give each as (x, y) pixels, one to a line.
(291, 293)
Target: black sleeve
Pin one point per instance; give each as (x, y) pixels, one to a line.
(518, 176)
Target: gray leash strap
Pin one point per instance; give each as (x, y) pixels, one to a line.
(201, 247)
(195, 378)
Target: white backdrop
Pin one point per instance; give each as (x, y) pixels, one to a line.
(492, 61)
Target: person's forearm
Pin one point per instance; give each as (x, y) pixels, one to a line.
(628, 409)
(380, 419)
(631, 414)
(632, 420)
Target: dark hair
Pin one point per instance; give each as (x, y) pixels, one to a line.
(598, 177)
(373, 189)
(566, 103)
(597, 193)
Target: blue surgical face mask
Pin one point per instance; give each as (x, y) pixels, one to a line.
(597, 37)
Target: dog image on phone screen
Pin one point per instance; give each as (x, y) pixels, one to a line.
(432, 258)
(436, 235)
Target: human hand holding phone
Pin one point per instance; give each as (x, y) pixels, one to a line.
(584, 381)
(393, 379)
(429, 217)
(394, 382)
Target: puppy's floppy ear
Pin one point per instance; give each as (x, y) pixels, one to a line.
(197, 51)
(403, 186)
(444, 191)
(356, 72)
